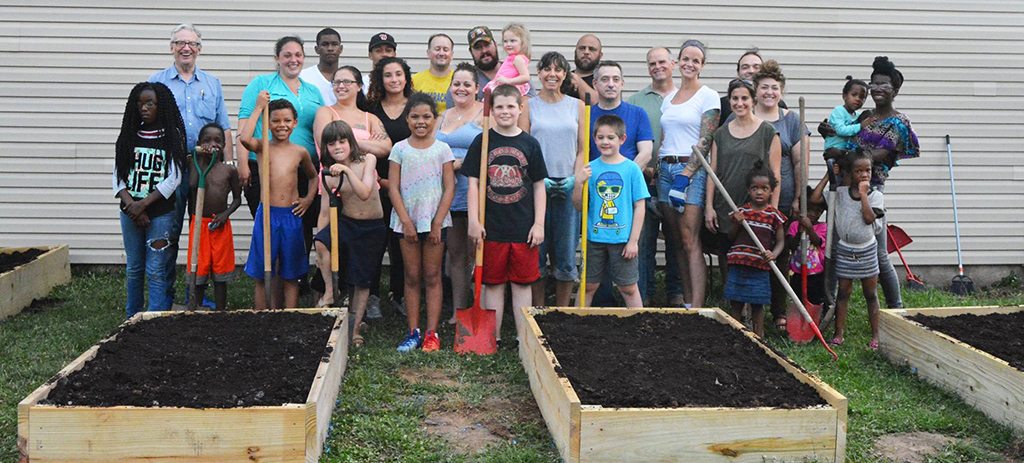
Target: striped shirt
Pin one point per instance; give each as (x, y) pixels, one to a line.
(764, 224)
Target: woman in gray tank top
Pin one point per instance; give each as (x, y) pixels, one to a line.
(553, 118)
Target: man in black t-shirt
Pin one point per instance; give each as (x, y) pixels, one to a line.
(515, 208)
(586, 56)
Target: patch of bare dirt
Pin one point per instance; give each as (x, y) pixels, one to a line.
(911, 447)
(428, 376)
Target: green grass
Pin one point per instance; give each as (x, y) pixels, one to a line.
(381, 416)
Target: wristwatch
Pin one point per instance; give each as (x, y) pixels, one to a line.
(230, 163)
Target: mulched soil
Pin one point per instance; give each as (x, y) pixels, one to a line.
(10, 260)
(668, 360)
(203, 361)
(996, 334)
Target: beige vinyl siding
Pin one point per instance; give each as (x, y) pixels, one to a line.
(66, 68)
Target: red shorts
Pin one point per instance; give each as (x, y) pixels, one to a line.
(515, 262)
(216, 253)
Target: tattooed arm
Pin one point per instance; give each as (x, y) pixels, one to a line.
(708, 125)
(379, 145)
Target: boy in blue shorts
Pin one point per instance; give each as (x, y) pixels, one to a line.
(616, 212)
(289, 258)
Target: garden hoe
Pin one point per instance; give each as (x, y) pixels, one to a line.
(197, 228)
(775, 268)
(962, 284)
(474, 327)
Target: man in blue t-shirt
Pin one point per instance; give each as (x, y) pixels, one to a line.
(608, 82)
(615, 216)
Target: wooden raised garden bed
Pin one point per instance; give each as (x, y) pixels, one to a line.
(35, 279)
(984, 381)
(209, 433)
(591, 432)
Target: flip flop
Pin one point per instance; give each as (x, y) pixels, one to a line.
(323, 303)
(836, 342)
(780, 323)
(357, 340)
(873, 345)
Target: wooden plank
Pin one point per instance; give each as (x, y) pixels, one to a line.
(707, 434)
(290, 432)
(695, 433)
(983, 381)
(33, 280)
(556, 399)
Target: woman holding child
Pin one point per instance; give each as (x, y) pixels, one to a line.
(553, 118)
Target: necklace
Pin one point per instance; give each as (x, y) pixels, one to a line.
(448, 121)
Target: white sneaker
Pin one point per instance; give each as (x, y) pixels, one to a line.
(398, 305)
(373, 308)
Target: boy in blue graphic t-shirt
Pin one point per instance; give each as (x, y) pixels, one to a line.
(615, 213)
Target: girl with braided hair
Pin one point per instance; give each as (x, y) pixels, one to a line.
(149, 154)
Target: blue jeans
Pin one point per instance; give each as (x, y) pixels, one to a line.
(143, 261)
(561, 236)
(180, 205)
(648, 260)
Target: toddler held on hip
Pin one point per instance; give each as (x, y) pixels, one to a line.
(515, 69)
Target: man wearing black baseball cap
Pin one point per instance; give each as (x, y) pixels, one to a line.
(485, 54)
(382, 45)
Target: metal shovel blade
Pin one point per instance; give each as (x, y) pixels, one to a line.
(474, 327)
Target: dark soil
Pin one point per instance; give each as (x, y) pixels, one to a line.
(203, 361)
(668, 360)
(13, 259)
(996, 334)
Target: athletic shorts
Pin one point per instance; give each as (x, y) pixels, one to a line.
(216, 253)
(288, 256)
(604, 258)
(361, 243)
(505, 262)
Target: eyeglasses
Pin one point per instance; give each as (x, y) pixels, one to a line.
(345, 82)
(147, 105)
(182, 43)
(881, 86)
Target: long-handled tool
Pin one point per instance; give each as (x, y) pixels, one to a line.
(896, 239)
(582, 297)
(830, 222)
(962, 284)
(474, 327)
(753, 237)
(335, 200)
(197, 227)
(798, 327)
(265, 199)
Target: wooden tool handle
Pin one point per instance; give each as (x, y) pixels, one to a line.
(581, 298)
(482, 189)
(265, 191)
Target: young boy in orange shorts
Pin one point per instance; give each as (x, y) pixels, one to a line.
(216, 259)
(516, 202)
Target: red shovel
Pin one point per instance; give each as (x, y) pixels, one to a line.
(474, 327)
(799, 328)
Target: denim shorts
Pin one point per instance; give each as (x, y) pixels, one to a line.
(694, 192)
(561, 237)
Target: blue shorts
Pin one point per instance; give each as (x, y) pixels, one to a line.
(694, 193)
(288, 256)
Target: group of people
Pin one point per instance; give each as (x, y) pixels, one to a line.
(403, 152)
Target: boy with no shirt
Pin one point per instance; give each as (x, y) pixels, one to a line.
(289, 260)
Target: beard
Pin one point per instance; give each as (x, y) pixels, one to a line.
(486, 66)
(585, 67)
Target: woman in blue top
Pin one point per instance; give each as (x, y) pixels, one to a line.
(458, 126)
(305, 97)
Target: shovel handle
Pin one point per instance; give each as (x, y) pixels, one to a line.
(582, 297)
(482, 188)
(265, 199)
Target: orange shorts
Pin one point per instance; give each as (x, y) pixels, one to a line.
(216, 253)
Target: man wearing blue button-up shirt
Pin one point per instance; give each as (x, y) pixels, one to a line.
(201, 100)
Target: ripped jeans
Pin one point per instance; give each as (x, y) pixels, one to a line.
(146, 252)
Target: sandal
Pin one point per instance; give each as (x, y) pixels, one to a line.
(780, 323)
(323, 303)
(836, 342)
(358, 340)
(873, 345)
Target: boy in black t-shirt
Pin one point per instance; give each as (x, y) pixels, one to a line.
(516, 202)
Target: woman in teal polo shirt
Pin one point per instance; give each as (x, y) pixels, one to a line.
(285, 83)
